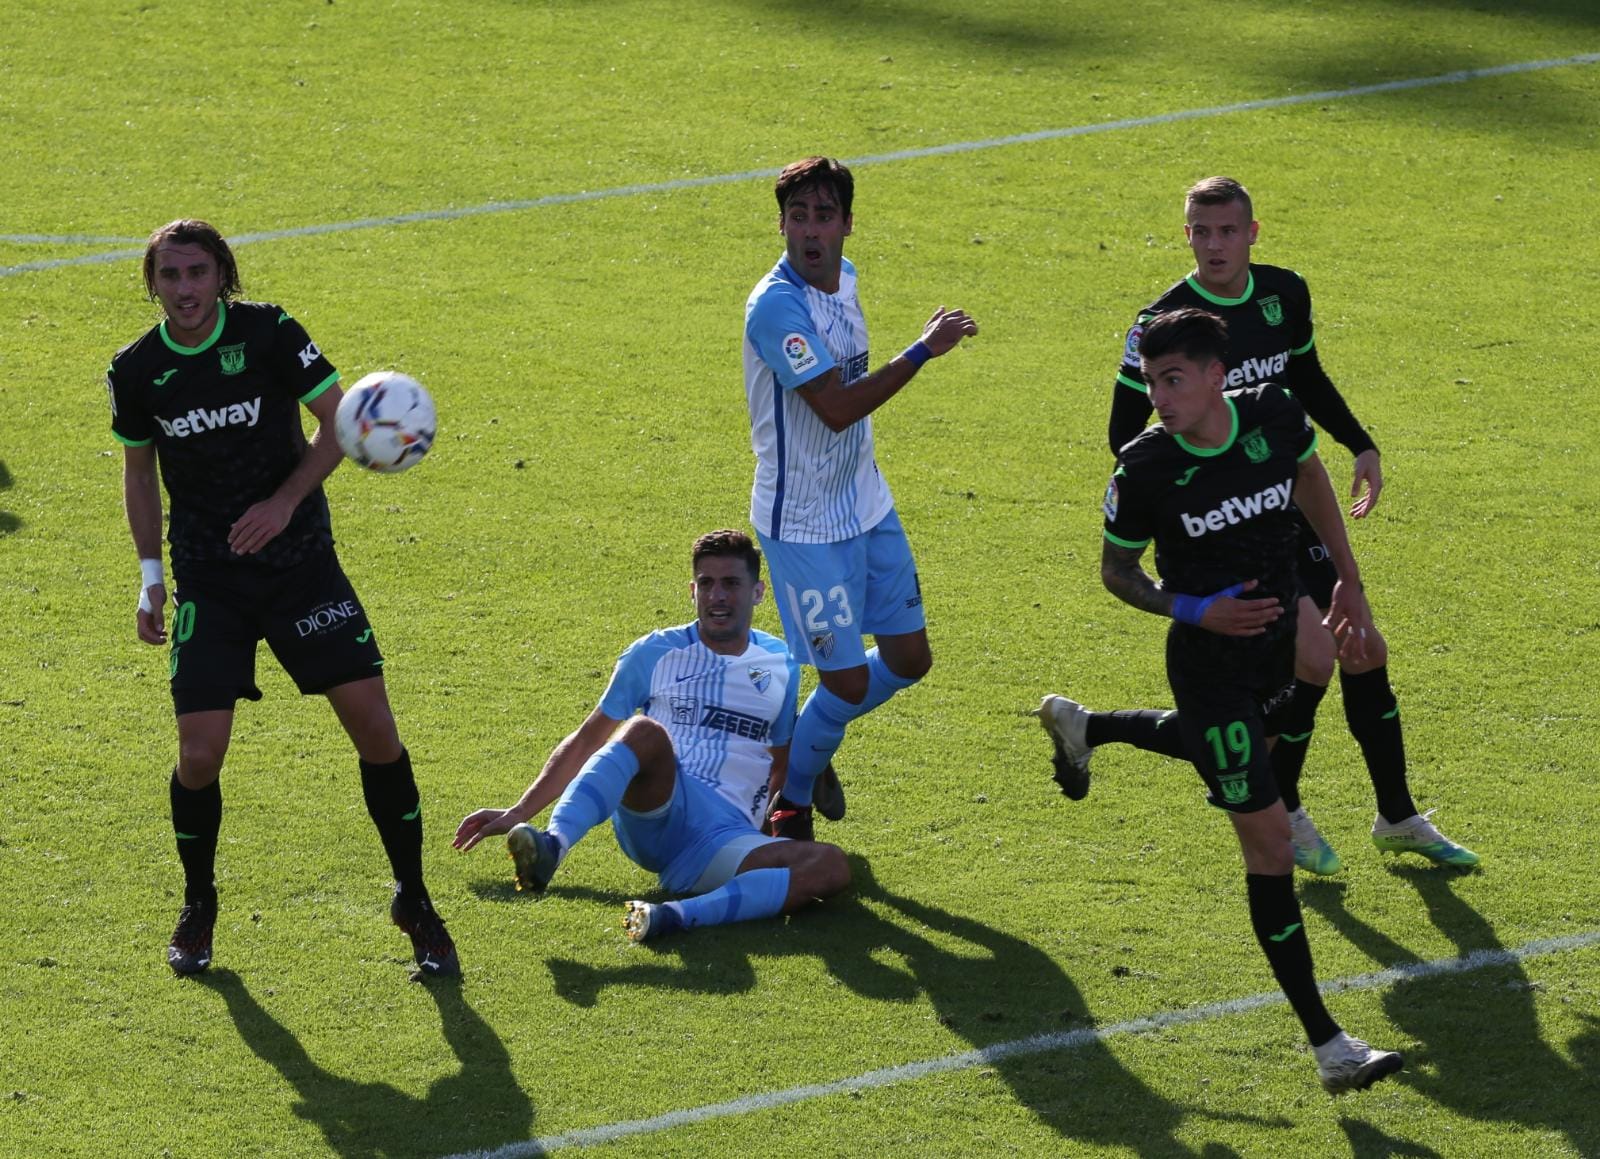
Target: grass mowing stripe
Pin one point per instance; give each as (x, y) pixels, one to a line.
(429, 215)
(1035, 1044)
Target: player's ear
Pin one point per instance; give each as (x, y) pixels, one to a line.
(1255, 228)
(849, 224)
(757, 590)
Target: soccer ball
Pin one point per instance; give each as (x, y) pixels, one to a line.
(386, 421)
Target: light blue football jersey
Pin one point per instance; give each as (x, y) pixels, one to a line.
(812, 485)
(722, 712)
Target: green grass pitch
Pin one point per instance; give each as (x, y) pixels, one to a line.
(584, 354)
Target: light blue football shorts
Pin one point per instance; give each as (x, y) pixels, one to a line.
(831, 595)
(694, 843)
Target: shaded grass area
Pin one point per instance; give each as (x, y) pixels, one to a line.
(585, 361)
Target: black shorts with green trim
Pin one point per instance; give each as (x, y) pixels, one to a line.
(308, 614)
(1231, 693)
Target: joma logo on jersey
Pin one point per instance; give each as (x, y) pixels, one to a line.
(1237, 510)
(738, 723)
(208, 419)
(324, 618)
(1258, 369)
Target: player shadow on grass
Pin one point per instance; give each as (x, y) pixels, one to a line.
(1480, 1050)
(479, 1107)
(992, 989)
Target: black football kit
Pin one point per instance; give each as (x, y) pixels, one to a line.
(224, 418)
(1270, 338)
(1220, 516)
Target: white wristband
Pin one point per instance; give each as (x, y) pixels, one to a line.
(150, 574)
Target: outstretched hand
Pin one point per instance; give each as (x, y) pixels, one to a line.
(1350, 620)
(483, 823)
(945, 329)
(1368, 471)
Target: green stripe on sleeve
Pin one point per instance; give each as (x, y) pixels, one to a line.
(320, 387)
(1311, 450)
(132, 442)
(1138, 386)
(1127, 542)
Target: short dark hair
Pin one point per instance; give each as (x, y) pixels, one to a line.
(728, 543)
(816, 172)
(1219, 191)
(1198, 335)
(192, 231)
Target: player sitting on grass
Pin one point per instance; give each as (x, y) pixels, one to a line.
(686, 783)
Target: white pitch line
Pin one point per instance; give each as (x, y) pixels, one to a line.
(430, 215)
(66, 239)
(1022, 1047)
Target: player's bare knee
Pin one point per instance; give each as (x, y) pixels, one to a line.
(200, 761)
(915, 666)
(846, 683)
(816, 870)
(834, 869)
(647, 738)
(377, 738)
(1315, 654)
(1377, 655)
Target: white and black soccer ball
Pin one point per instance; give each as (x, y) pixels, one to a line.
(386, 422)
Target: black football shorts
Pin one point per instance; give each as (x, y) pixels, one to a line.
(1312, 566)
(308, 614)
(1231, 693)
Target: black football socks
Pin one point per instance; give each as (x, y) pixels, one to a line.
(396, 809)
(1374, 717)
(196, 820)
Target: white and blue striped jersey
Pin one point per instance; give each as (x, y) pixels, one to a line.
(722, 712)
(812, 485)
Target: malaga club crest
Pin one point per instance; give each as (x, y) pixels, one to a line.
(822, 644)
(761, 678)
